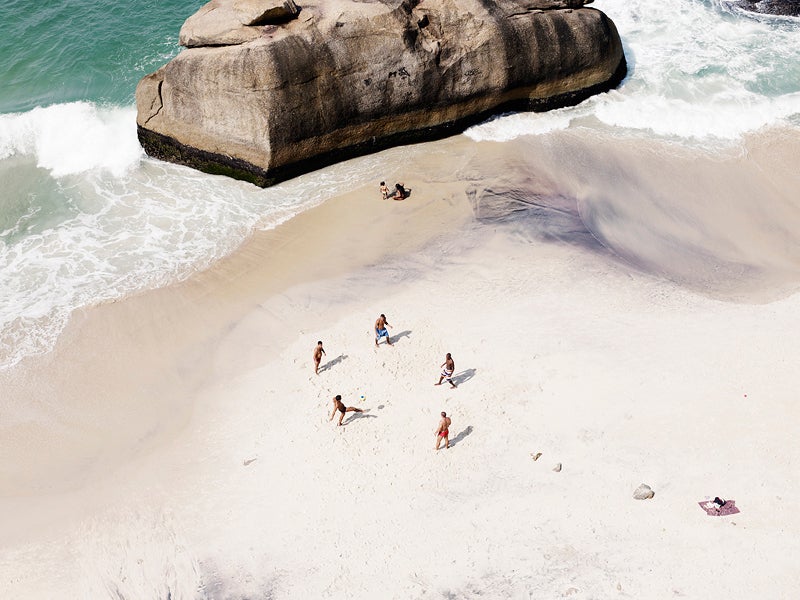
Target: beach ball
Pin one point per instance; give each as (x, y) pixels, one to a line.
(362, 397)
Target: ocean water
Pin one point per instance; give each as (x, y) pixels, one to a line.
(686, 172)
(86, 217)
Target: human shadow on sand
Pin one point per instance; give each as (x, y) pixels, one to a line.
(463, 376)
(332, 362)
(361, 415)
(461, 436)
(402, 334)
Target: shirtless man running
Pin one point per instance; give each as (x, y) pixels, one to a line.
(380, 330)
(318, 352)
(443, 431)
(339, 405)
(448, 368)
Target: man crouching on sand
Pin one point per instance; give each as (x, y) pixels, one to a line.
(443, 431)
(339, 405)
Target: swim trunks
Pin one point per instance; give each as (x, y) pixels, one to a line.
(447, 374)
(444, 433)
(341, 408)
(379, 333)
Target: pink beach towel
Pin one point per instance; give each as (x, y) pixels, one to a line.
(715, 510)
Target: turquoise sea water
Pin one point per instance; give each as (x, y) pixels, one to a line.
(86, 217)
(84, 50)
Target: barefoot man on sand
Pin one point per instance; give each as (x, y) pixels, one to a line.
(380, 330)
(339, 405)
(443, 431)
(318, 352)
(448, 367)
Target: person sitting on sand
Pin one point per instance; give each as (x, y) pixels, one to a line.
(384, 190)
(400, 192)
(443, 431)
(380, 329)
(318, 352)
(448, 367)
(339, 405)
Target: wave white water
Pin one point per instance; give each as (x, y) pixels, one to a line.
(73, 138)
(696, 73)
(246, 506)
(88, 218)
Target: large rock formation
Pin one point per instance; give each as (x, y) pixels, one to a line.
(789, 8)
(266, 90)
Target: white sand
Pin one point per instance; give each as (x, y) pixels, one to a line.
(253, 493)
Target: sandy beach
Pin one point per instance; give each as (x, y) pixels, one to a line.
(198, 456)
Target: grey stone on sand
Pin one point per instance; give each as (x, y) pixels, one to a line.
(557, 468)
(267, 90)
(643, 492)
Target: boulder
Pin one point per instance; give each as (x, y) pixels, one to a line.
(231, 22)
(788, 8)
(263, 95)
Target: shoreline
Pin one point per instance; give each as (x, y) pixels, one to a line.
(618, 284)
(158, 343)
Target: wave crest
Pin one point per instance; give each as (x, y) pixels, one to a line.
(73, 138)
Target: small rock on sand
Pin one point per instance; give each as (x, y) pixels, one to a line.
(643, 492)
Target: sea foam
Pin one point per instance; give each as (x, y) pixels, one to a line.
(88, 218)
(696, 73)
(68, 139)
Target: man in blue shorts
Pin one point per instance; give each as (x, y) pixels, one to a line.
(380, 330)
